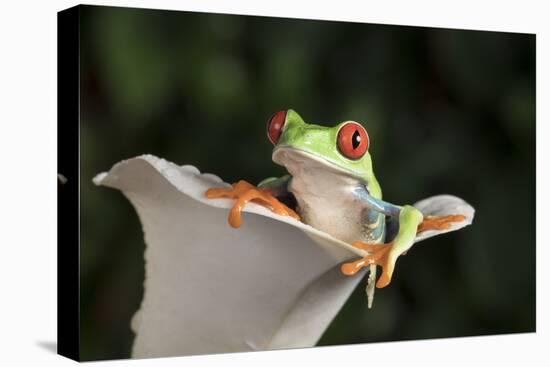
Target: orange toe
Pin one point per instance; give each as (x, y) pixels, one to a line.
(385, 277)
(438, 222)
(377, 255)
(244, 192)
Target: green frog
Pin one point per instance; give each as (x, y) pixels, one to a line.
(332, 180)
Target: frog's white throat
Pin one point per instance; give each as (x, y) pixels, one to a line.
(324, 193)
(301, 163)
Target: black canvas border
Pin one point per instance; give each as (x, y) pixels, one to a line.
(68, 187)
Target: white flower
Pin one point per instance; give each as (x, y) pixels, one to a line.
(273, 283)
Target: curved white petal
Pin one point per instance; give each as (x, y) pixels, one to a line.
(209, 288)
(445, 205)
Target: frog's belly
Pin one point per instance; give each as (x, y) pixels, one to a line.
(338, 213)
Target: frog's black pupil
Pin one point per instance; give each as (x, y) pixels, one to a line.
(355, 139)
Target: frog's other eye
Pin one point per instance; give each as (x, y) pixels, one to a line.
(275, 126)
(353, 140)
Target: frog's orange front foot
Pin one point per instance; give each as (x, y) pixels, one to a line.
(244, 192)
(378, 254)
(438, 223)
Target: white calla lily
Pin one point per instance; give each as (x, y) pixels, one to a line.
(209, 288)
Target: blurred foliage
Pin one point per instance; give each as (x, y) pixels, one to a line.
(447, 111)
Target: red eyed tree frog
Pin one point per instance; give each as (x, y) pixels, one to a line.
(332, 180)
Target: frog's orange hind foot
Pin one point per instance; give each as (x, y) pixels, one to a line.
(378, 254)
(438, 223)
(244, 192)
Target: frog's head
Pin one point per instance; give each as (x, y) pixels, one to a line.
(342, 149)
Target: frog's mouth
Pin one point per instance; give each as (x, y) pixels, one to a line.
(296, 161)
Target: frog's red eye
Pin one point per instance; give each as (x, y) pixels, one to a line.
(275, 126)
(353, 140)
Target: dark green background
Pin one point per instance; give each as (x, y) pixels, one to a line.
(448, 111)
